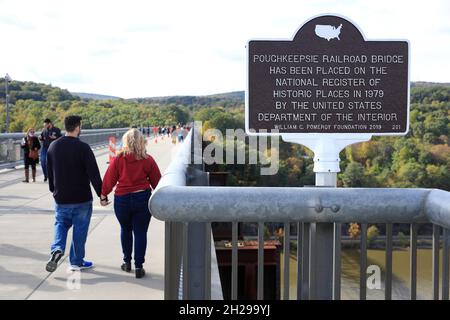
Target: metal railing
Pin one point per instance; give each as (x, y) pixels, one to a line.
(188, 206)
(11, 153)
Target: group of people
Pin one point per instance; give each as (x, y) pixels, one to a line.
(70, 168)
(175, 132)
(32, 146)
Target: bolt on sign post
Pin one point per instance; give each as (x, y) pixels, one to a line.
(112, 148)
(327, 88)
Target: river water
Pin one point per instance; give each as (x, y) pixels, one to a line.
(400, 276)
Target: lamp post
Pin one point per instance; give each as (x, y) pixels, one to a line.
(7, 80)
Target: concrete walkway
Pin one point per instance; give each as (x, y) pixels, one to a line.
(26, 231)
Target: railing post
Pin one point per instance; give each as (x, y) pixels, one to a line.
(11, 151)
(321, 268)
(305, 281)
(337, 262)
(413, 261)
(299, 259)
(287, 257)
(199, 253)
(435, 263)
(234, 260)
(388, 280)
(363, 263)
(445, 265)
(172, 259)
(199, 235)
(260, 283)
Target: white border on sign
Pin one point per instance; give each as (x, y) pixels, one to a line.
(292, 135)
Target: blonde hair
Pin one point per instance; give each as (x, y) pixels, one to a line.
(133, 142)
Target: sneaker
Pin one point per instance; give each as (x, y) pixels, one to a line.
(45, 179)
(126, 267)
(55, 256)
(85, 265)
(140, 272)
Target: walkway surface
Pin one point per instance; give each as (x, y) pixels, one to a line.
(26, 231)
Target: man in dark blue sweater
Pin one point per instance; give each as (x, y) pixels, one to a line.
(49, 134)
(71, 168)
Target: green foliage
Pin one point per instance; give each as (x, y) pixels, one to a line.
(20, 90)
(402, 240)
(227, 100)
(428, 94)
(354, 175)
(372, 234)
(31, 103)
(267, 234)
(419, 159)
(219, 118)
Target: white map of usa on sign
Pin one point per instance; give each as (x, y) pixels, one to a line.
(328, 32)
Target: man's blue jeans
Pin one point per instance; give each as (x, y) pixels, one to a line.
(134, 217)
(77, 215)
(44, 161)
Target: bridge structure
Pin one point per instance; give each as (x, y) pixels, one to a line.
(26, 232)
(188, 205)
(181, 257)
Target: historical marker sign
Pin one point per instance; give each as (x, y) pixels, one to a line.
(328, 79)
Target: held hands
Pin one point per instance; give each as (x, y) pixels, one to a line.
(104, 201)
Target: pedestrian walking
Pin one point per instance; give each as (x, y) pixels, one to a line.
(49, 134)
(134, 173)
(30, 145)
(71, 168)
(180, 134)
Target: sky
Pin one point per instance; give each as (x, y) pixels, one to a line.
(177, 47)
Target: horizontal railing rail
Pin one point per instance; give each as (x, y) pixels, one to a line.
(11, 153)
(253, 204)
(179, 202)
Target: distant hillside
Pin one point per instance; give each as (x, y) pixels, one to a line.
(429, 84)
(94, 96)
(239, 95)
(229, 99)
(28, 90)
(236, 98)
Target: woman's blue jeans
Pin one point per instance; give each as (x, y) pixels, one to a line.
(134, 217)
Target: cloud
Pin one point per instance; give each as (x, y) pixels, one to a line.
(149, 27)
(15, 22)
(149, 48)
(101, 53)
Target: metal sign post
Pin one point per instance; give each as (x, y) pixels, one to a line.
(322, 245)
(7, 80)
(326, 89)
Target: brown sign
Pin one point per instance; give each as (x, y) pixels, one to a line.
(328, 79)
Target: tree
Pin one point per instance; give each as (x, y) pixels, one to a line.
(354, 175)
(372, 234)
(354, 230)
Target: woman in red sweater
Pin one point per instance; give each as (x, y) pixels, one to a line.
(135, 174)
